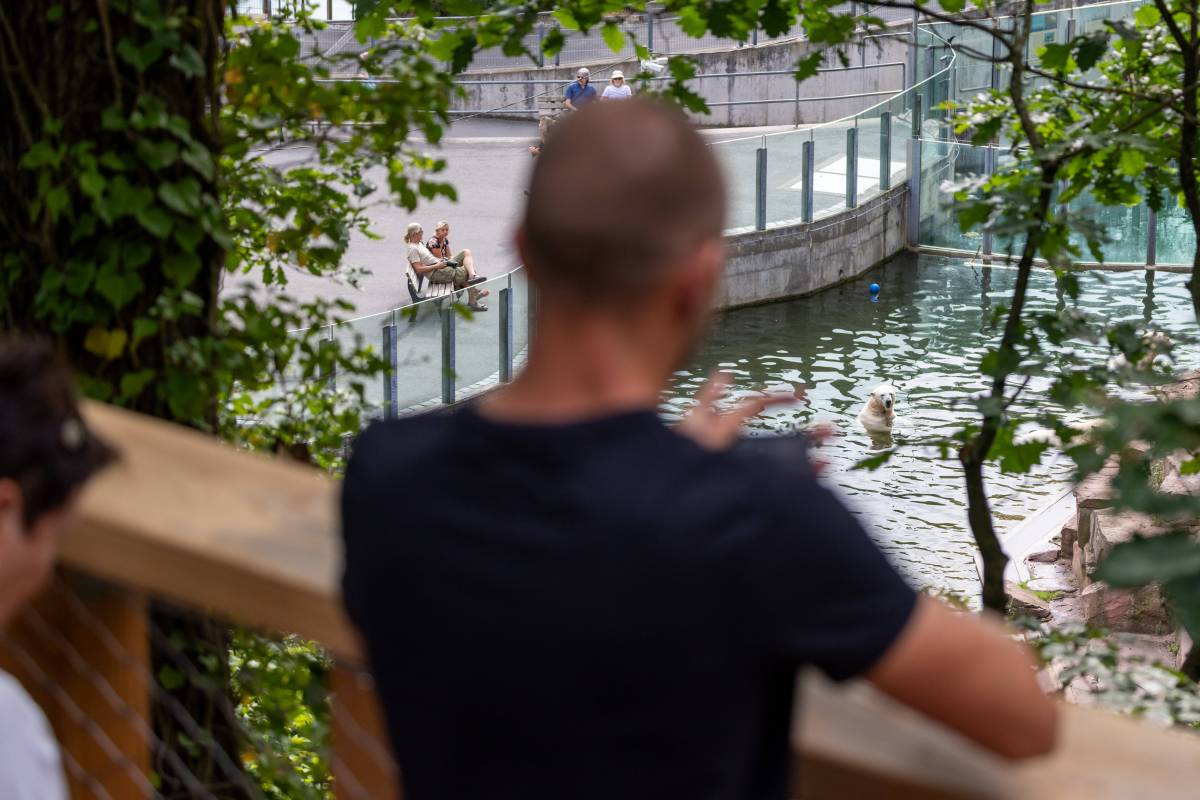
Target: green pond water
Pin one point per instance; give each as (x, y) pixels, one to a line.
(926, 334)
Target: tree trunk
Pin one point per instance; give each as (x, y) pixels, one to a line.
(90, 91)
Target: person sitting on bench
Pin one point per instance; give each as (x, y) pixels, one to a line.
(439, 245)
(440, 270)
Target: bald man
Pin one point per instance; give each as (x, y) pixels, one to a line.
(618, 609)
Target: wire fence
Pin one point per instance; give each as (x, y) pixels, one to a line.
(661, 34)
(151, 701)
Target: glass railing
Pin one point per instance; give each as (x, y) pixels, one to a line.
(795, 176)
(1136, 235)
(438, 351)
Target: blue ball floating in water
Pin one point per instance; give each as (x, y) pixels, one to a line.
(874, 288)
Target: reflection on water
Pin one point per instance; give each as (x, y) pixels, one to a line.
(925, 334)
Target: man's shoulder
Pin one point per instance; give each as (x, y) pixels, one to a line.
(29, 758)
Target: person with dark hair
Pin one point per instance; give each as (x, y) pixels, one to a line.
(47, 454)
(618, 608)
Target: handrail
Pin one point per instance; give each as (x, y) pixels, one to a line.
(254, 540)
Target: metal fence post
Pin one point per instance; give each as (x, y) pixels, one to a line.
(851, 167)
(760, 190)
(807, 163)
(541, 34)
(989, 167)
(329, 10)
(329, 374)
(913, 226)
(754, 36)
(650, 29)
(1152, 238)
(448, 315)
(506, 334)
(558, 55)
(391, 354)
(885, 151)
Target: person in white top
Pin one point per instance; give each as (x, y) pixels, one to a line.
(617, 88)
(47, 455)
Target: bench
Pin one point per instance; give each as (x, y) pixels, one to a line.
(420, 289)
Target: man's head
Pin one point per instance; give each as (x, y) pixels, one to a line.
(46, 455)
(583, 76)
(624, 217)
(413, 232)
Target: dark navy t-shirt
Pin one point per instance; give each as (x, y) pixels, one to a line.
(599, 610)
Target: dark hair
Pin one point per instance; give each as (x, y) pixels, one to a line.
(639, 162)
(44, 444)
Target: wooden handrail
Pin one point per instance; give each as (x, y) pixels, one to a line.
(193, 520)
(255, 540)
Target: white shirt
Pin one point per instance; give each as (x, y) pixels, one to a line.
(30, 764)
(419, 254)
(622, 92)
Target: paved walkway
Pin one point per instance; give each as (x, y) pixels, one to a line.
(488, 163)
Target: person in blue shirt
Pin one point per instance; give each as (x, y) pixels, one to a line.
(579, 94)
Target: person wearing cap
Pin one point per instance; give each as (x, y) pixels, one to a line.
(579, 93)
(617, 89)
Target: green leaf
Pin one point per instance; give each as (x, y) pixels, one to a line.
(1091, 50)
(187, 60)
(92, 184)
(113, 119)
(170, 678)
(133, 383)
(874, 462)
(182, 196)
(1055, 56)
(118, 288)
(691, 23)
(1158, 558)
(139, 56)
(1190, 467)
(952, 6)
(613, 37)
(182, 267)
(54, 13)
(41, 154)
(1147, 16)
(142, 327)
(155, 220)
(1132, 162)
(57, 200)
(200, 159)
(157, 155)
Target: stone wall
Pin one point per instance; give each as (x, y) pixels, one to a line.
(799, 260)
(509, 95)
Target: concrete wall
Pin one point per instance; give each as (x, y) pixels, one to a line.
(510, 94)
(800, 260)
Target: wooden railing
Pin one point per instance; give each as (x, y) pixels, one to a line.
(254, 541)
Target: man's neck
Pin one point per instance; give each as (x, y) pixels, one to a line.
(580, 369)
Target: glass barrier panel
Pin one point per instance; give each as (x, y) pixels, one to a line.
(829, 168)
(521, 310)
(785, 168)
(1127, 228)
(366, 334)
(1176, 237)
(418, 355)
(738, 161)
(943, 162)
(477, 340)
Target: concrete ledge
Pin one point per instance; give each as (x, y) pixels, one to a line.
(798, 260)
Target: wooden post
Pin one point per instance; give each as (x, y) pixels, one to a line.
(82, 652)
(362, 761)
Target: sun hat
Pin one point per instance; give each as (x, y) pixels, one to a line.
(617, 74)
